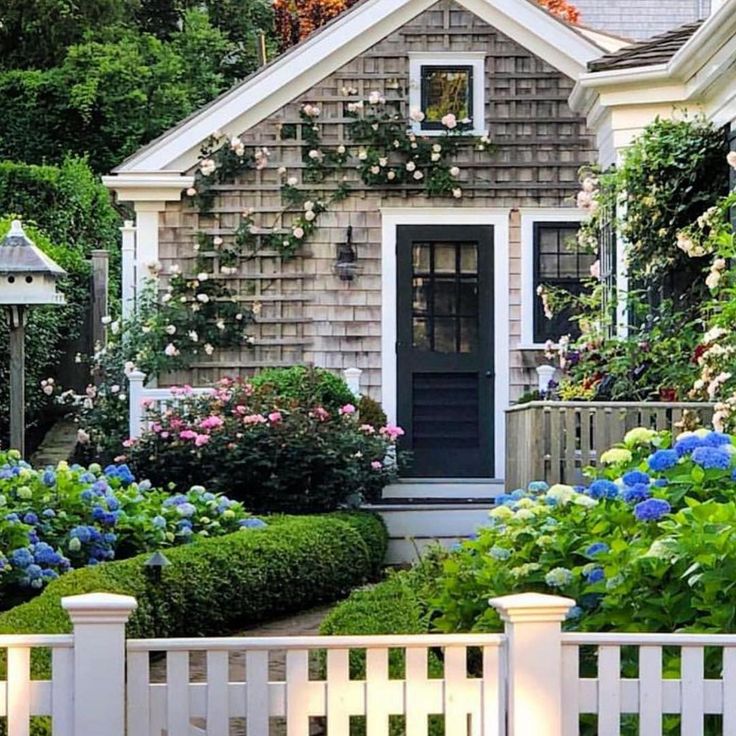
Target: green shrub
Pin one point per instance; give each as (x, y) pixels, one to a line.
(217, 585)
(371, 412)
(272, 453)
(306, 385)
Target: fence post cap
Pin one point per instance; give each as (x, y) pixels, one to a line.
(99, 607)
(532, 607)
(136, 376)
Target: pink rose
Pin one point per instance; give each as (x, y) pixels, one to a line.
(392, 432)
(274, 417)
(188, 434)
(211, 422)
(367, 428)
(321, 414)
(377, 465)
(201, 439)
(254, 419)
(347, 409)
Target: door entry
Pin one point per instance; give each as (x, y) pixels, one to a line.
(445, 349)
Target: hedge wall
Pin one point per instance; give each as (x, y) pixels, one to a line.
(215, 585)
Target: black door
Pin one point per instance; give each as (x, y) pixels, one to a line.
(445, 349)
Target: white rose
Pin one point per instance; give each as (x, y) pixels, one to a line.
(292, 181)
(435, 157)
(449, 121)
(208, 349)
(362, 154)
(454, 171)
(191, 192)
(457, 192)
(341, 149)
(383, 162)
(436, 148)
(217, 240)
(391, 175)
(204, 298)
(410, 166)
(309, 205)
(193, 336)
(203, 276)
(298, 233)
(416, 115)
(171, 350)
(418, 175)
(170, 329)
(375, 169)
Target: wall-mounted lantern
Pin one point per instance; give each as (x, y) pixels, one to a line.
(346, 262)
(28, 278)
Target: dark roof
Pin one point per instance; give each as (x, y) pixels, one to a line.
(658, 49)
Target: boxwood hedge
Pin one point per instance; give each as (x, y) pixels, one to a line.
(213, 586)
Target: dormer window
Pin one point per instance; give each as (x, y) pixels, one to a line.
(448, 84)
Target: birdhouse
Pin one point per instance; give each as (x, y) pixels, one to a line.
(27, 275)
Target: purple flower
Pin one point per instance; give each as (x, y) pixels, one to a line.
(653, 509)
(711, 458)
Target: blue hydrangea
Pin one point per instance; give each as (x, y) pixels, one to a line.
(144, 485)
(30, 518)
(48, 513)
(48, 477)
(122, 472)
(34, 572)
(175, 500)
(112, 502)
(636, 494)
(596, 548)
(711, 457)
(45, 554)
(603, 489)
(186, 509)
(636, 476)
(687, 444)
(653, 509)
(252, 523)
(32, 536)
(574, 612)
(82, 533)
(21, 557)
(159, 522)
(87, 495)
(6, 474)
(50, 575)
(661, 482)
(560, 577)
(88, 477)
(184, 524)
(98, 513)
(12, 518)
(663, 460)
(595, 575)
(716, 439)
(518, 493)
(100, 487)
(538, 486)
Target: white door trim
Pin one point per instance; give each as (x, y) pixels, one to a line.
(499, 219)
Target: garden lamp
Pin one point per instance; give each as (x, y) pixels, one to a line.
(155, 565)
(346, 265)
(28, 278)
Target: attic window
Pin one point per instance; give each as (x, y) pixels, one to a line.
(444, 84)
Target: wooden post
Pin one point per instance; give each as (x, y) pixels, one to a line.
(534, 660)
(17, 317)
(128, 268)
(100, 273)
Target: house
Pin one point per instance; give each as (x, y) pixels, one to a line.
(437, 304)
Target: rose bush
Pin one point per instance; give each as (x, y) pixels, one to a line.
(58, 519)
(646, 546)
(273, 452)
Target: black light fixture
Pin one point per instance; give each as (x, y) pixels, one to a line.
(155, 564)
(346, 263)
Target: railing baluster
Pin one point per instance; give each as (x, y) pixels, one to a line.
(19, 691)
(729, 691)
(177, 693)
(297, 677)
(609, 691)
(62, 692)
(376, 675)
(650, 691)
(416, 695)
(692, 693)
(571, 702)
(338, 676)
(139, 696)
(218, 705)
(257, 700)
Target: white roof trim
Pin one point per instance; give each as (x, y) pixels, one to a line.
(244, 106)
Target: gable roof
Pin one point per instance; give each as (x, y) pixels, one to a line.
(658, 49)
(559, 44)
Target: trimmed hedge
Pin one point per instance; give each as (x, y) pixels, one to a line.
(215, 585)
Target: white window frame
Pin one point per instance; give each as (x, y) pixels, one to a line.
(475, 59)
(530, 217)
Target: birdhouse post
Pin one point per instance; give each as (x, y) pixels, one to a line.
(27, 278)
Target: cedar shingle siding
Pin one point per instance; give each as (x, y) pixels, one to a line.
(308, 314)
(640, 18)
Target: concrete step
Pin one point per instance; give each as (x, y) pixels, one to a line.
(413, 526)
(482, 489)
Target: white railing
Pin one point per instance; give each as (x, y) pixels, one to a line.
(301, 678)
(532, 680)
(22, 698)
(143, 399)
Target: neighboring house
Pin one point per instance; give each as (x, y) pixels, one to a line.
(442, 316)
(638, 19)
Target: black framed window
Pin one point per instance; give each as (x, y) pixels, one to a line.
(445, 90)
(558, 262)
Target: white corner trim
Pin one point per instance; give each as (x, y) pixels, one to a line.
(337, 44)
(474, 59)
(499, 220)
(148, 186)
(530, 216)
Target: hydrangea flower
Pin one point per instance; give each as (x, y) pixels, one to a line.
(538, 486)
(252, 523)
(49, 477)
(636, 493)
(603, 489)
(663, 460)
(687, 443)
(639, 436)
(21, 557)
(559, 577)
(595, 574)
(636, 476)
(653, 509)
(499, 553)
(716, 439)
(596, 548)
(616, 455)
(711, 457)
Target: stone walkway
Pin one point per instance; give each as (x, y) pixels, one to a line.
(305, 623)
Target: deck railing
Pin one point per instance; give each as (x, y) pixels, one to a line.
(532, 680)
(555, 440)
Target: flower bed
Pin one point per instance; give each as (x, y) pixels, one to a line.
(55, 520)
(272, 452)
(647, 546)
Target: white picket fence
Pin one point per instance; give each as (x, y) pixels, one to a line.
(144, 399)
(532, 680)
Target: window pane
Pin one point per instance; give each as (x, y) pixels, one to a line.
(420, 337)
(420, 257)
(447, 89)
(468, 335)
(468, 258)
(445, 335)
(444, 258)
(445, 298)
(421, 295)
(469, 299)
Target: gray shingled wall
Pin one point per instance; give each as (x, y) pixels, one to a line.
(640, 18)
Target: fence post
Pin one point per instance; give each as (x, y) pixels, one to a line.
(533, 631)
(352, 378)
(99, 661)
(100, 270)
(135, 398)
(128, 268)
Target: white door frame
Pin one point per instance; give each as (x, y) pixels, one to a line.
(499, 220)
